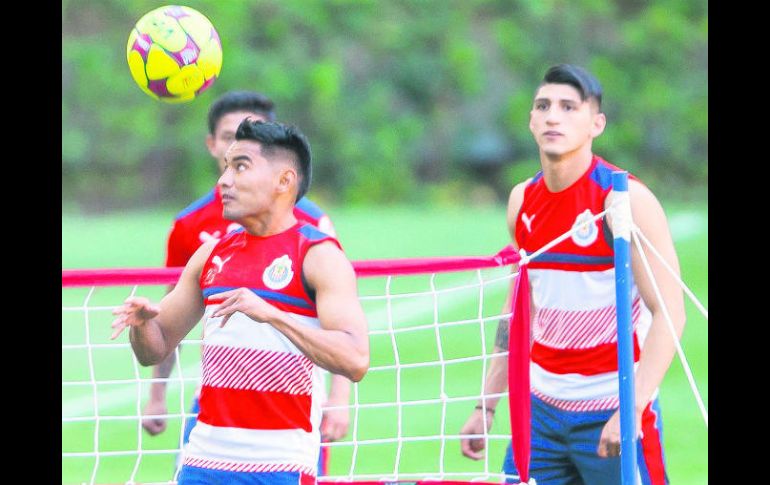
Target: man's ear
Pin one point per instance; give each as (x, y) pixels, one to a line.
(600, 122)
(287, 179)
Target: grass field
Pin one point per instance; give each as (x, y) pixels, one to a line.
(138, 239)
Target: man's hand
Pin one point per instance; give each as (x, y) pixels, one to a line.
(335, 422)
(134, 312)
(245, 301)
(609, 441)
(154, 425)
(473, 447)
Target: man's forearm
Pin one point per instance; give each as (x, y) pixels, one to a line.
(334, 350)
(162, 371)
(655, 359)
(148, 343)
(496, 380)
(339, 390)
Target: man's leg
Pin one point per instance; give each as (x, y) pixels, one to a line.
(584, 440)
(549, 462)
(585, 431)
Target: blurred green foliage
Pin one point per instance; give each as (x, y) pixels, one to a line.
(419, 101)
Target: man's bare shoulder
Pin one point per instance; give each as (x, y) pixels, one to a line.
(518, 190)
(198, 259)
(639, 193)
(516, 198)
(324, 252)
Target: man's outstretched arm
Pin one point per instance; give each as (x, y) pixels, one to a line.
(156, 329)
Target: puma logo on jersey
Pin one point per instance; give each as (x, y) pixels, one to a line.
(206, 237)
(527, 220)
(219, 262)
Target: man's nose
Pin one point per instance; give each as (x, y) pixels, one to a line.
(226, 179)
(552, 116)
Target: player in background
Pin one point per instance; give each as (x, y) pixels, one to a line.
(574, 367)
(279, 302)
(202, 221)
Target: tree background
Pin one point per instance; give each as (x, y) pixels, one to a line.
(404, 102)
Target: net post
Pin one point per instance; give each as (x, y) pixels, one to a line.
(621, 228)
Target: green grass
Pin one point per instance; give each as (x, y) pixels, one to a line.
(138, 240)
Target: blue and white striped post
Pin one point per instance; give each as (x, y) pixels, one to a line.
(621, 229)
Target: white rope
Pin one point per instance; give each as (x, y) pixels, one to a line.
(356, 409)
(138, 421)
(123, 382)
(527, 258)
(394, 346)
(670, 324)
(94, 389)
(482, 329)
(686, 289)
(442, 384)
(183, 407)
(410, 296)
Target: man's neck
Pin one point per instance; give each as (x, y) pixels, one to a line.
(563, 171)
(270, 223)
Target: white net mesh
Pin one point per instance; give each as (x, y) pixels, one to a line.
(431, 340)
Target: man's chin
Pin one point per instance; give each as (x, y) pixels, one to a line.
(230, 215)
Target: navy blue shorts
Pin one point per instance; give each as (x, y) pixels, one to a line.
(564, 445)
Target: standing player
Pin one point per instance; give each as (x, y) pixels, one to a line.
(280, 301)
(202, 221)
(574, 379)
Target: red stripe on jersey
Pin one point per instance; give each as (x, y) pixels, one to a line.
(588, 362)
(240, 408)
(256, 370)
(652, 447)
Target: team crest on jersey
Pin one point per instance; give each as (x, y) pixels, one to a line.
(587, 234)
(279, 274)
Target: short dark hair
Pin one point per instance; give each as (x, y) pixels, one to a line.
(577, 77)
(272, 135)
(233, 101)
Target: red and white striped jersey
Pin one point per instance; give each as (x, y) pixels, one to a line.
(260, 404)
(574, 351)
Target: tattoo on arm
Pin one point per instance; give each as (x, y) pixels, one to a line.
(501, 340)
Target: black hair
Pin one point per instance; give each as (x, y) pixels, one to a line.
(272, 135)
(577, 77)
(234, 101)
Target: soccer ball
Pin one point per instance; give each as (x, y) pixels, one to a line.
(174, 53)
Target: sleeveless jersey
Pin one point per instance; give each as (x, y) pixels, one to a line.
(260, 408)
(574, 351)
(202, 221)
